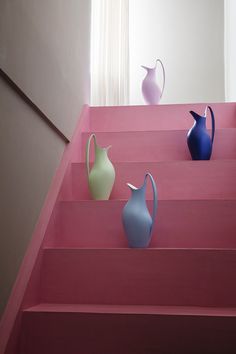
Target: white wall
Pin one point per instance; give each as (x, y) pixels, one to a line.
(230, 50)
(45, 49)
(188, 35)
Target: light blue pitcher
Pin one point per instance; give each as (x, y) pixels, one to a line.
(137, 221)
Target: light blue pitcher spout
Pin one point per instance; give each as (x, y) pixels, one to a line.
(137, 221)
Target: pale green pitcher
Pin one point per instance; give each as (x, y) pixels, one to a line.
(101, 177)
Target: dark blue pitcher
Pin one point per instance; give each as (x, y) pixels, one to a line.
(199, 142)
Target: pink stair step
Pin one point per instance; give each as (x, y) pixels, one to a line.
(178, 277)
(179, 224)
(159, 117)
(134, 309)
(99, 329)
(158, 145)
(178, 180)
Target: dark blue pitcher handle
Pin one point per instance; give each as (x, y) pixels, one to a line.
(212, 123)
(154, 210)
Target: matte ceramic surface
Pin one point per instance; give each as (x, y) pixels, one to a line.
(138, 224)
(198, 140)
(150, 89)
(102, 175)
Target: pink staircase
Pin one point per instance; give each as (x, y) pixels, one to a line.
(88, 293)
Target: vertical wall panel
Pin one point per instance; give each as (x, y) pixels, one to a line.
(45, 48)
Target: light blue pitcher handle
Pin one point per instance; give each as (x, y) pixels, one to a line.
(154, 188)
(164, 76)
(88, 150)
(212, 124)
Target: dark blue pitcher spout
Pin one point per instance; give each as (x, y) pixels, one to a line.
(195, 115)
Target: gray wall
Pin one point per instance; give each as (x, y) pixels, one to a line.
(44, 48)
(30, 152)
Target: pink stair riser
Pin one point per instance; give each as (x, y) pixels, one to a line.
(179, 223)
(159, 117)
(213, 179)
(70, 332)
(158, 145)
(178, 277)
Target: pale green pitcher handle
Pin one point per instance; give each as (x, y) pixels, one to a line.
(154, 188)
(88, 150)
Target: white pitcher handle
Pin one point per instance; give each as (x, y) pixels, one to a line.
(88, 150)
(164, 76)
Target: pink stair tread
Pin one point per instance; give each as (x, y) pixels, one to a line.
(138, 309)
(179, 223)
(178, 277)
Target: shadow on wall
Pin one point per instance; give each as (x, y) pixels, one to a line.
(30, 153)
